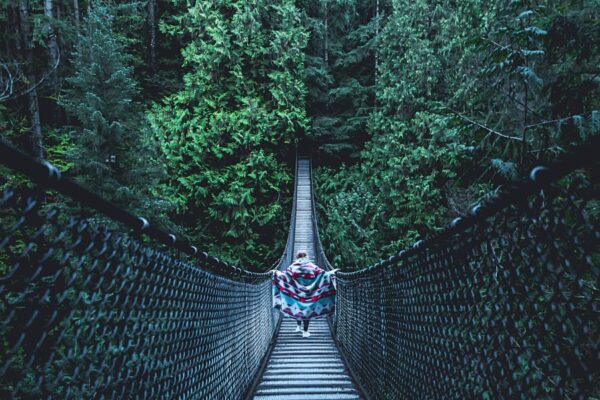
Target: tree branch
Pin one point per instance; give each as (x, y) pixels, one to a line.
(7, 84)
(495, 132)
(10, 94)
(553, 121)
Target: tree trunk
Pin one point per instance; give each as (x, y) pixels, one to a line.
(376, 35)
(326, 55)
(32, 97)
(51, 44)
(76, 12)
(13, 21)
(524, 134)
(152, 33)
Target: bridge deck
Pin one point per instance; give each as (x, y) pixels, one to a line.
(305, 368)
(303, 235)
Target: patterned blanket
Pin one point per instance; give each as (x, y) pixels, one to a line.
(304, 291)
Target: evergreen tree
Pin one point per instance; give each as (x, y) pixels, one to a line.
(155, 54)
(112, 152)
(410, 166)
(340, 73)
(225, 134)
(469, 96)
(426, 104)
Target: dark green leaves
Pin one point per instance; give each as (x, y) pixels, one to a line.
(226, 133)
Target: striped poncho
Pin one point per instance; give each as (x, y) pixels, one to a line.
(304, 291)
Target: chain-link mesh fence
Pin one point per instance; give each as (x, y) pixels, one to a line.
(87, 312)
(504, 304)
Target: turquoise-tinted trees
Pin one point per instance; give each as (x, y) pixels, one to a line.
(112, 152)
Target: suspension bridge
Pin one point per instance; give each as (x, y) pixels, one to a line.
(502, 304)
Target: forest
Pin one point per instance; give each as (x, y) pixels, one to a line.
(190, 112)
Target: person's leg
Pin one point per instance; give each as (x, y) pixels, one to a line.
(298, 326)
(305, 332)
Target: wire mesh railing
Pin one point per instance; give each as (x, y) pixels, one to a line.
(503, 304)
(92, 312)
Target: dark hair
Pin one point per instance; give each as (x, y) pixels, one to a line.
(301, 253)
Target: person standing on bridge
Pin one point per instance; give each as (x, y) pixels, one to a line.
(304, 291)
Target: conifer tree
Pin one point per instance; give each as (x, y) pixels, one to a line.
(340, 73)
(112, 153)
(470, 95)
(225, 133)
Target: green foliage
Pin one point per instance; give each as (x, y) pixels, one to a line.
(469, 95)
(132, 27)
(416, 107)
(340, 74)
(539, 92)
(112, 151)
(405, 187)
(225, 134)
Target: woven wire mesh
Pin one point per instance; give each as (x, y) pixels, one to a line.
(508, 308)
(88, 312)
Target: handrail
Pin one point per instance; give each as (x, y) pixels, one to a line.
(47, 175)
(287, 257)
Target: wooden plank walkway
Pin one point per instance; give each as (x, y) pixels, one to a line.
(302, 368)
(305, 368)
(303, 235)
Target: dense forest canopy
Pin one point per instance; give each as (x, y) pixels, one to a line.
(189, 111)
